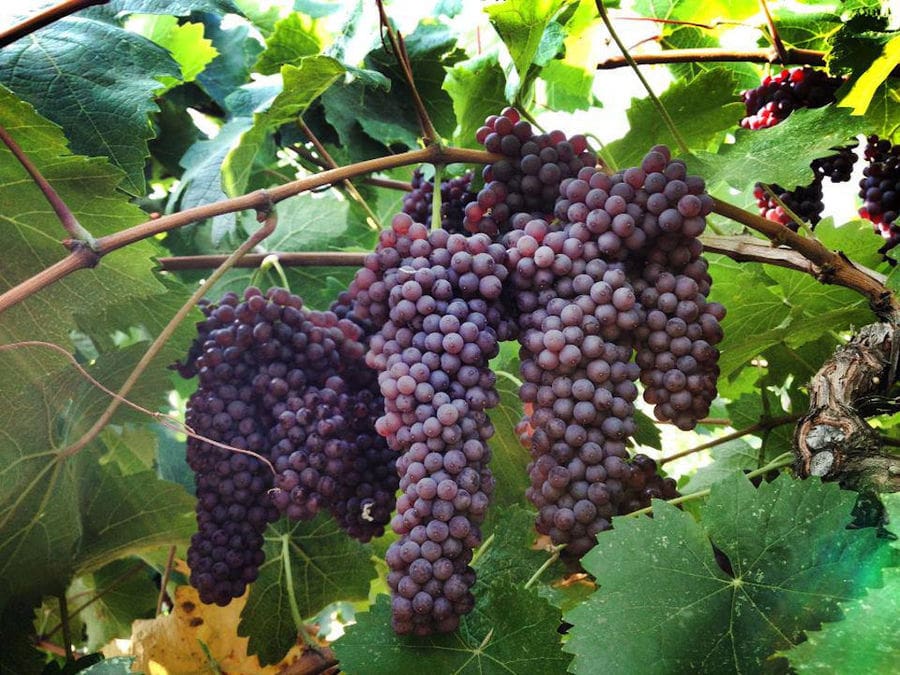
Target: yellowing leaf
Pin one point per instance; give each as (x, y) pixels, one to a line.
(197, 639)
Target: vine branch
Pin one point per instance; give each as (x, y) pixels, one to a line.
(762, 425)
(84, 258)
(777, 44)
(45, 18)
(831, 267)
(66, 217)
(793, 57)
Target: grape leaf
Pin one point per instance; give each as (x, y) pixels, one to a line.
(201, 182)
(509, 459)
(699, 126)
(672, 609)
(292, 40)
(302, 84)
(521, 25)
(511, 629)
(323, 564)
(806, 30)
(701, 11)
(31, 240)
(103, 104)
(863, 89)
(779, 154)
(485, 76)
(237, 54)
(173, 7)
(185, 42)
(63, 514)
(727, 459)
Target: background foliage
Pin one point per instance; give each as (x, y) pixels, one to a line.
(140, 106)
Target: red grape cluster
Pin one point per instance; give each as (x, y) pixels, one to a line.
(880, 189)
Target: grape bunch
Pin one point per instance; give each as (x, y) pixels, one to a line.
(441, 296)
(770, 103)
(527, 179)
(619, 272)
(280, 383)
(455, 196)
(879, 189)
(233, 508)
(779, 95)
(805, 201)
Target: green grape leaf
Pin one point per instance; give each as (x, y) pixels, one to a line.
(647, 433)
(672, 609)
(125, 590)
(201, 182)
(292, 40)
(779, 154)
(727, 459)
(699, 11)
(31, 240)
(883, 115)
(509, 459)
(65, 514)
(323, 565)
(302, 84)
(432, 49)
(232, 67)
(185, 42)
(17, 628)
(103, 104)
(485, 76)
(521, 24)
(691, 37)
(511, 629)
(113, 666)
(700, 127)
(173, 7)
(806, 30)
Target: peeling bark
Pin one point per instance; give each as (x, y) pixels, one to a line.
(833, 440)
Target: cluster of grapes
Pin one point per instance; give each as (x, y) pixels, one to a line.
(435, 299)
(780, 95)
(880, 189)
(279, 383)
(770, 103)
(527, 179)
(620, 273)
(455, 196)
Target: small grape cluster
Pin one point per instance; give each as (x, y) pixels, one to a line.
(455, 196)
(772, 102)
(880, 189)
(527, 179)
(278, 386)
(780, 95)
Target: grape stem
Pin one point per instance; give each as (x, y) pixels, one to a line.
(670, 123)
(45, 18)
(66, 628)
(161, 339)
(799, 57)
(80, 237)
(436, 196)
(270, 262)
(554, 556)
(373, 221)
(165, 579)
(777, 44)
(763, 424)
(782, 460)
(429, 134)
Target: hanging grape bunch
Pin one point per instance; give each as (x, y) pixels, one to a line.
(772, 102)
(879, 189)
(455, 195)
